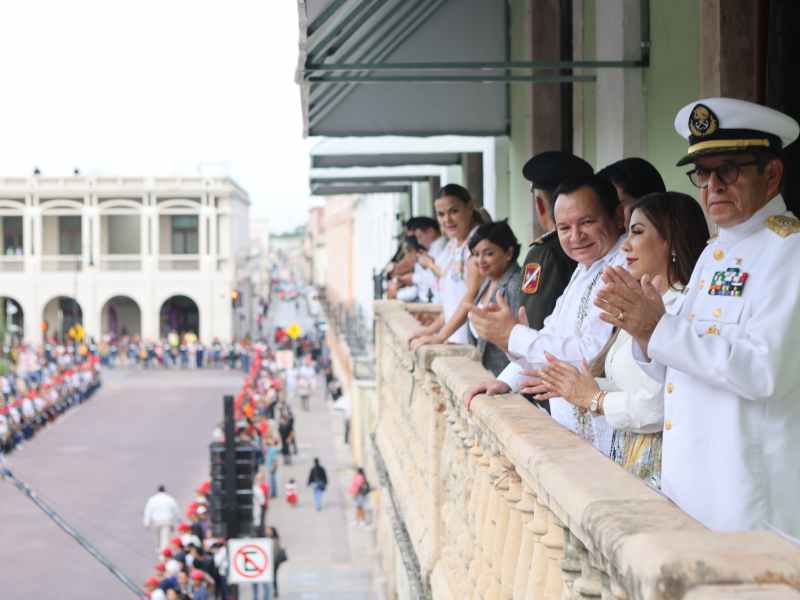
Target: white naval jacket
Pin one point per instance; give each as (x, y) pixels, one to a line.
(572, 332)
(729, 362)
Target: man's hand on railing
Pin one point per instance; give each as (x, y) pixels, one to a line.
(490, 388)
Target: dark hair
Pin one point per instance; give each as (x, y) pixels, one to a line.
(462, 193)
(422, 223)
(161, 488)
(601, 186)
(456, 191)
(680, 221)
(635, 176)
(498, 233)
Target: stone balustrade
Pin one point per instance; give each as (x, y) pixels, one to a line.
(503, 503)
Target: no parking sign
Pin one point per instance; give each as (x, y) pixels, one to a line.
(250, 560)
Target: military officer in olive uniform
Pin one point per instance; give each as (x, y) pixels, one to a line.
(729, 356)
(547, 269)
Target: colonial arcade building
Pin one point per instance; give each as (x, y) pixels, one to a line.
(121, 255)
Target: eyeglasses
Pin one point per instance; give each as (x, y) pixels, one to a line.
(727, 173)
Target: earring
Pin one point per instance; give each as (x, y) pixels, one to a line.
(674, 257)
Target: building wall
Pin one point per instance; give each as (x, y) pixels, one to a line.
(339, 224)
(671, 81)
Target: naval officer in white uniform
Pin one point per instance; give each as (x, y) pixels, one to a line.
(729, 357)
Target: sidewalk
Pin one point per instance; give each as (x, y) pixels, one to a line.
(329, 558)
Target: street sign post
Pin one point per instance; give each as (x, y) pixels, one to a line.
(250, 560)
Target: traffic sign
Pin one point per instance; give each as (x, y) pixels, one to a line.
(251, 560)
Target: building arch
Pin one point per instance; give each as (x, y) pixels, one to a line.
(121, 205)
(60, 204)
(59, 315)
(180, 313)
(12, 319)
(121, 315)
(179, 206)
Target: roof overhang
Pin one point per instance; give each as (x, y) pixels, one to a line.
(338, 189)
(364, 103)
(360, 177)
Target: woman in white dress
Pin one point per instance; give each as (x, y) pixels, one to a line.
(456, 270)
(666, 235)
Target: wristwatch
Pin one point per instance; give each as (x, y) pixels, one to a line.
(594, 405)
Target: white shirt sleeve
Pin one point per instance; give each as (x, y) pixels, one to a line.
(511, 376)
(531, 344)
(639, 409)
(654, 369)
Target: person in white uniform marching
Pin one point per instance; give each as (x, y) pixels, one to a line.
(161, 513)
(728, 356)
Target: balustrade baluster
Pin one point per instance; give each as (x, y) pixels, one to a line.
(539, 525)
(486, 544)
(510, 549)
(571, 565)
(554, 545)
(526, 507)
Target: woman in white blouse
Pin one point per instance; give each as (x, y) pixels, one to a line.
(666, 235)
(458, 277)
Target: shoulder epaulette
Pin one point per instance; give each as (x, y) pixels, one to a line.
(783, 225)
(542, 239)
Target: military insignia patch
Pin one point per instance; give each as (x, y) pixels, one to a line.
(783, 225)
(729, 282)
(702, 121)
(531, 277)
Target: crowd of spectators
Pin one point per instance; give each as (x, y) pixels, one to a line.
(175, 351)
(38, 384)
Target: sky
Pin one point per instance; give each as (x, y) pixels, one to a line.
(157, 87)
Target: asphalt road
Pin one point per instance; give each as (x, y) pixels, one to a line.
(97, 466)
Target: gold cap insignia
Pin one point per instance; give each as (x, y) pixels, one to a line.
(783, 225)
(702, 121)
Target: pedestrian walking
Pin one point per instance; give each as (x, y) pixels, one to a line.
(279, 556)
(318, 480)
(161, 513)
(304, 391)
(359, 490)
(291, 493)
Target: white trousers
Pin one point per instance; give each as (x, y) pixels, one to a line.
(163, 535)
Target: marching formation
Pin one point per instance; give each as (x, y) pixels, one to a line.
(39, 384)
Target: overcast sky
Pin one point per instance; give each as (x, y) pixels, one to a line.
(157, 87)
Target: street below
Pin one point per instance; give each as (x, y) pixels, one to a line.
(96, 466)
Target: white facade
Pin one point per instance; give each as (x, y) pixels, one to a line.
(146, 239)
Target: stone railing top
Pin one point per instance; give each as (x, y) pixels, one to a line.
(646, 540)
(398, 318)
